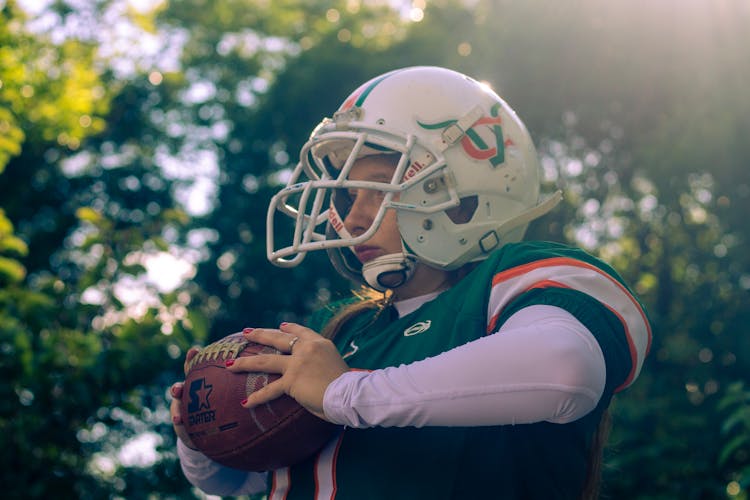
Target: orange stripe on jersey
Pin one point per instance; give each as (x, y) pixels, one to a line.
(537, 264)
(335, 460)
(561, 272)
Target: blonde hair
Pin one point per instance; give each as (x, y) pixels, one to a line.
(592, 485)
(368, 299)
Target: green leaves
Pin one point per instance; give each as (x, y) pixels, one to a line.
(11, 270)
(11, 136)
(46, 88)
(734, 454)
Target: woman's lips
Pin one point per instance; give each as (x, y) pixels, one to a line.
(366, 253)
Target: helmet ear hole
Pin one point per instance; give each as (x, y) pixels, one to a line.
(464, 212)
(392, 279)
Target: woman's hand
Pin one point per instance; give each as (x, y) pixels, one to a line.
(309, 364)
(174, 407)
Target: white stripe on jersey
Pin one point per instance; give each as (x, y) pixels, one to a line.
(280, 487)
(325, 470)
(578, 275)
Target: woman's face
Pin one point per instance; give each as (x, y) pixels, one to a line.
(365, 206)
(387, 238)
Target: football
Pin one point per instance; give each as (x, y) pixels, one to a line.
(273, 435)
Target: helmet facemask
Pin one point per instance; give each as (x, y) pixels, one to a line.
(316, 193)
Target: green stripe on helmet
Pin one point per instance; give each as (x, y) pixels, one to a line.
(366, 92)
(435, 126)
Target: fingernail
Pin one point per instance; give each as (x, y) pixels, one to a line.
(176, 420)
(173, 391)
(229, 362)
(244, 402)
(247, 330)
(284, 323)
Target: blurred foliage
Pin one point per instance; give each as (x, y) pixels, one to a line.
(736, 431)
(137, 164)
(48, 92)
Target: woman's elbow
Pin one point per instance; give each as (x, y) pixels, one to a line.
(580, 377)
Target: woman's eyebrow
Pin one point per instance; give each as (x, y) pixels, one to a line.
(382, 177)
(378, 177)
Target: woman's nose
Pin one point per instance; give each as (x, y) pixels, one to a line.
(360, 216)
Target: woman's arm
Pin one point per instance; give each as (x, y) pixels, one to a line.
(542, 365)
(216, 479)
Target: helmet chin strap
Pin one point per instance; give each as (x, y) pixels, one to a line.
(389, 271)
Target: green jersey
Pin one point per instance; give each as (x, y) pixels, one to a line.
(539, 460)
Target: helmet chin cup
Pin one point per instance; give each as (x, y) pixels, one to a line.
(389, 271)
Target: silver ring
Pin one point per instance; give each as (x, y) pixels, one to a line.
(291, 344)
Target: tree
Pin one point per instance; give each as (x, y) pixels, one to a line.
(639, 111)
(70, 347)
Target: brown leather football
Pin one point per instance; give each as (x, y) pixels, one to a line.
(273, 435)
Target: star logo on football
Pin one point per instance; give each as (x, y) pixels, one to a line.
(199, 392)
(417, 328)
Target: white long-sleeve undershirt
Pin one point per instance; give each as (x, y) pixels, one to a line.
(216, 479)
(542, 365)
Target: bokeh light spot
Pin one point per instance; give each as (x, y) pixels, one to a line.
(155, 78)
(464, 49)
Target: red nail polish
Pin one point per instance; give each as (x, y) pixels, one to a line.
(176, 419)
(244, 402)
(229, 362)
(247, 330)
(284, 323)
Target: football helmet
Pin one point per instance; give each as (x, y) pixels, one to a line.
(466, 179)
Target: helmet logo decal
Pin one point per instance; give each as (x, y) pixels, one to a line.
(472, 142)
(413, 170)
(335, 220)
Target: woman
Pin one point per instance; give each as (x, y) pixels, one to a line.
(486, 365)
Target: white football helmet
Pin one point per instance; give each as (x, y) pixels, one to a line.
(460, 147)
